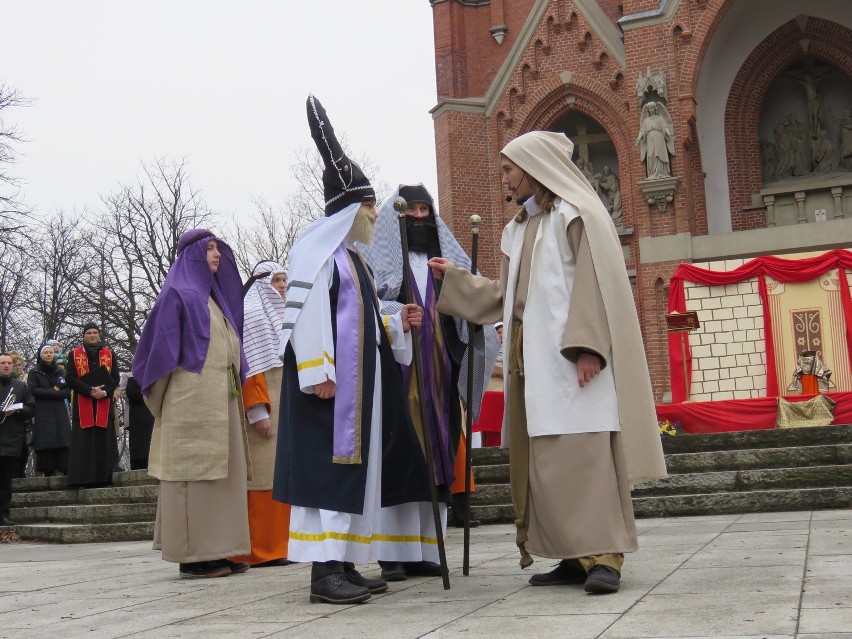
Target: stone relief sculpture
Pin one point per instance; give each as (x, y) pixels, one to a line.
(845, 123)
(809, 147)
(610, 187)
(656, 140)
(826, 155)
(768, 160)
(791, 145)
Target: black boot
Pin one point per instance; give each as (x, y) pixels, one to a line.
(393, 570)
(329, 584)
(460, 501)
(375, 586)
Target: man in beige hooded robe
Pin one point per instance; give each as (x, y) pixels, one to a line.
(579, 419)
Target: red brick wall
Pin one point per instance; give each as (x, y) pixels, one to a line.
(535, 96)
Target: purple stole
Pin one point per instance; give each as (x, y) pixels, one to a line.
(348, 359)
(437, 373)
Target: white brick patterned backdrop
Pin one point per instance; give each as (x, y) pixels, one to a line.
(728, 351)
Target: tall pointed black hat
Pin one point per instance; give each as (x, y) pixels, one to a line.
(343, 181)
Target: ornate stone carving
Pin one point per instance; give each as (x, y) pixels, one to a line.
(651, 83)
(656, 140)
(659, 191)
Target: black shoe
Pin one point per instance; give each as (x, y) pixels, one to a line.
(393, 571)
(603, 580)
(204, 569)
(566, 572)
(237, 567)
(274, 562)
(375, 586)
(422, 569)
(5, 521)
(337, 589)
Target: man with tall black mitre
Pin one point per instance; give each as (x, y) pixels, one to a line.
(348, 460)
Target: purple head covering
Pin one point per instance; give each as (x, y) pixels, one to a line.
(177, 332)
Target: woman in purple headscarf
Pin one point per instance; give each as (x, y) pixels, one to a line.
(190, 365)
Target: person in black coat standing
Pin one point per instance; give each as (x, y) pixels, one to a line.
(141, 425)
(93, 376)
(52, 429)
(18, 406)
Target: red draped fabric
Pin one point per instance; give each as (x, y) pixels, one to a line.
(490, 422)
(780, 269)
(741, 414)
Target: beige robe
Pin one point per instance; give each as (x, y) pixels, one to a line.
(557, 479)
(261, 449)
(198, 452)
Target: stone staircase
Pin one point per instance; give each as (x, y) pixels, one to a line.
(751, 471)
(45, 509)
(742, 472)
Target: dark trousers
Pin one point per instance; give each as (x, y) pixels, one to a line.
(9, 467)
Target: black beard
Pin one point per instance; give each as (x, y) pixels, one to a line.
(422, 234)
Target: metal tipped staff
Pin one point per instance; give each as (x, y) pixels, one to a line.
(475, 221)
(399, 205)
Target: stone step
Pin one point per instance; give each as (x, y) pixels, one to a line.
(143, 493)
(86, 533)
(745, 480)
(771, 438)
(719, 460)
(85, 514)
(716, 503)
(744, 502)
(759, 458)
(707, 483)
(36, 484)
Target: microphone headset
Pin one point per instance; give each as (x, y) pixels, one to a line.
(511, 195)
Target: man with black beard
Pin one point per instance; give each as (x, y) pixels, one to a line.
(16, 407)
(442, 342)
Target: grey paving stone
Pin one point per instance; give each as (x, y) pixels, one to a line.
(743, 576)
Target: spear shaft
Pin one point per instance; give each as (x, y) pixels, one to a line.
(475, 220)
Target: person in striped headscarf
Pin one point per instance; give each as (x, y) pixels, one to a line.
(263, 306)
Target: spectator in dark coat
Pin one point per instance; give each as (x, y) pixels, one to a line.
(141, 425)
(52, 429)
(19, 406)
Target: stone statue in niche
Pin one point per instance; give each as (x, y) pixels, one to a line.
(826, 155)
(586, 169)
(656, 140)
(768, 160)
(845, 123)
(791, 145)
(810, 78)
(610, 187)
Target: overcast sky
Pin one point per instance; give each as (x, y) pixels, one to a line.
(221, 84)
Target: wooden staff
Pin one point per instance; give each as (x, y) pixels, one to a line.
(399, 205)
(475, 220)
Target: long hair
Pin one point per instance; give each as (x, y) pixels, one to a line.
(544, 197)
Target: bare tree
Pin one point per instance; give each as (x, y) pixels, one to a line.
(271, 232)
(11, 205)
(268, 235)
(60, 257)
(15, 325)
(134, 244)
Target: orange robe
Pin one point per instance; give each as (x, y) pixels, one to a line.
(269, 520)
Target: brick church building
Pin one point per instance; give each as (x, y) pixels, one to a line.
(757, 97)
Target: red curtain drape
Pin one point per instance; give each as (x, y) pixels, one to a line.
(758, 413)
(780, 269)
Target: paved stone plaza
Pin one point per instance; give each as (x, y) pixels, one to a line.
(770, 575)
